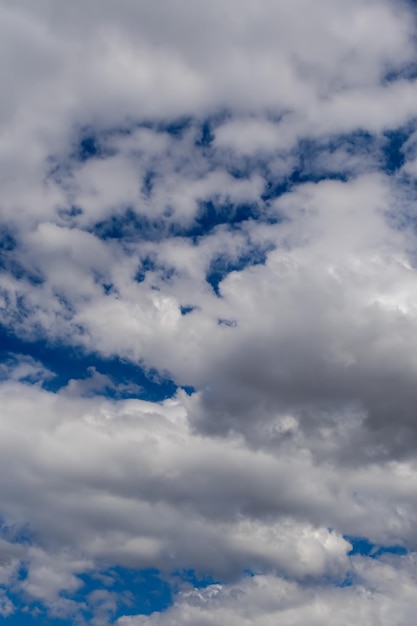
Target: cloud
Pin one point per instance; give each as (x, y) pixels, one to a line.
(219, 197)
(383, 594)
(127, 482)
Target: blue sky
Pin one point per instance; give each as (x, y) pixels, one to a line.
(207, 313)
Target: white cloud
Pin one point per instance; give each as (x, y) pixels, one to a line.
(384, 594)
(301, 428)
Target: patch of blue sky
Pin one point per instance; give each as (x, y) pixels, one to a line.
(206, 135)
(393, 148)
(88, 148)
(136, 592)
(67, 363)
(131, 226)
(226, 322)
(7, 240)
(141, 591)
(212, 214)
(307, 170)
(363, 547)
(186, 309)
(150, 269)
(385, 153)
(69, 213)
(205, 129)
(359, 142)
(176, 127)
(93, 143)
(198, 580)
(148, 183)
(148, 264)
(407, 71)
(12, 266)
(314, 161)
(221, 266)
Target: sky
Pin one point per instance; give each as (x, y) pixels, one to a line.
(208, 313)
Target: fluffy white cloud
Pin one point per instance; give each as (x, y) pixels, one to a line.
(127, 482)
(233, 223)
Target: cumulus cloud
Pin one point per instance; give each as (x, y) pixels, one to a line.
(384, 594)
(222, 196)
